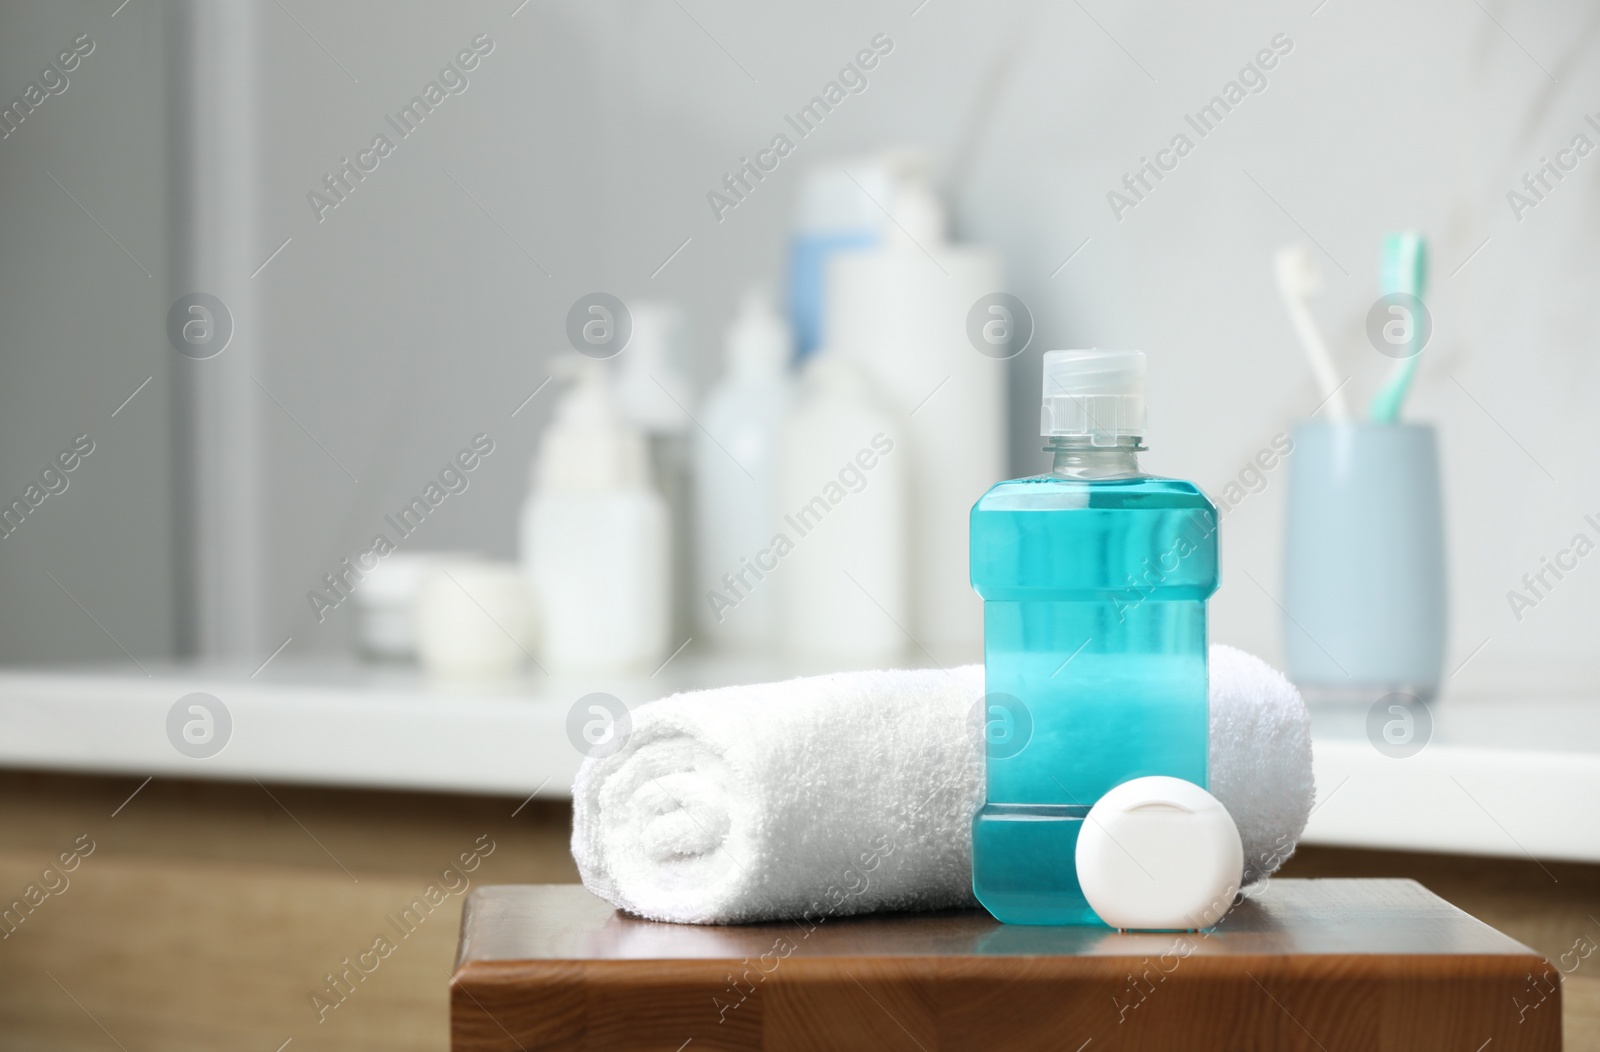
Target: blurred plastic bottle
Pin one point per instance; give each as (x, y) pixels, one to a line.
(843, 596)
(655, 394)
(898, 312)
(595, 538)
(735, 459)
(838, 213)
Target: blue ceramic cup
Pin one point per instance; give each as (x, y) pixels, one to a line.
(1364, 561)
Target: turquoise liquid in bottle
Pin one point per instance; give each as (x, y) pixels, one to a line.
(1094, 579)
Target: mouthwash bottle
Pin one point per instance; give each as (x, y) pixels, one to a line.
(1094, 579)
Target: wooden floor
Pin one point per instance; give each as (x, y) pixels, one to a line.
(210, 916)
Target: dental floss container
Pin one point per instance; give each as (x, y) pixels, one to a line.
(1159, 854)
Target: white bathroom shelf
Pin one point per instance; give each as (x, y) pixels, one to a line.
(1511, 776)
(1515, 777)
(336, 725)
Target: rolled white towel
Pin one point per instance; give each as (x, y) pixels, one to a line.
(854, 792)
(1260, 764)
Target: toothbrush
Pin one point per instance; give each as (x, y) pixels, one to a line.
(1404, 268)
(1299, 279)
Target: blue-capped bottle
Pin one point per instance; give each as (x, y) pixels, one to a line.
(1094, 578)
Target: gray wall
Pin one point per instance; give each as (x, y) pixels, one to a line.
(407, 319)
(81, 327)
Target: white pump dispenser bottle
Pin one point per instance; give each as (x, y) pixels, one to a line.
(595, 538)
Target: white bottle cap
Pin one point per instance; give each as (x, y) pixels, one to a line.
(918, 216)
(759, 341)
(589, 445)
(1097, 394)
(1159, 854)
(651, 387)
(849, 194)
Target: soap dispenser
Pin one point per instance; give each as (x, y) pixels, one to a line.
(595, 537)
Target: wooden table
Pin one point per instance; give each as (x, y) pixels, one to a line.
(1329, 965)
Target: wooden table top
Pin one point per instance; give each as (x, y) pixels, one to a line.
(564, 922)
(1304, 964)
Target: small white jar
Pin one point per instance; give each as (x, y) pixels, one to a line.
(474, 620)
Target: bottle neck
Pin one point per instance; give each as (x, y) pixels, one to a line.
(1077, 457)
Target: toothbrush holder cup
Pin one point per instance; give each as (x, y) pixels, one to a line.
(1364, 561)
